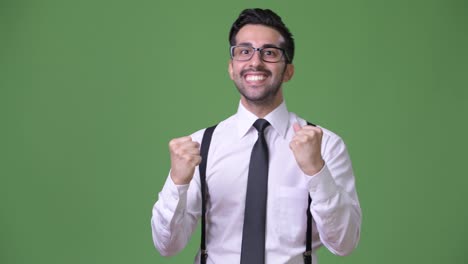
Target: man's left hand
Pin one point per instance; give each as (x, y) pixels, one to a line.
(306, 147)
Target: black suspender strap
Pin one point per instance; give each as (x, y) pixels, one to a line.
(308, 253)
(205, 146)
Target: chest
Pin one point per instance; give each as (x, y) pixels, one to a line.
(228, 167)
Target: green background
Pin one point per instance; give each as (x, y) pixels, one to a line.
(92, 91)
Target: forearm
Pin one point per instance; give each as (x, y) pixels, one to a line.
(338, 218)
(172, 222)
(335, 205)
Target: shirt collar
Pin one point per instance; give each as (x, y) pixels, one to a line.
(278, 118)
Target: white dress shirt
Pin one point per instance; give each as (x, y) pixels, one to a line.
(335, 206)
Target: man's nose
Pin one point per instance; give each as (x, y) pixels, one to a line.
(256, 58)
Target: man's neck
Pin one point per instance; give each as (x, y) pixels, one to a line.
(261, 109)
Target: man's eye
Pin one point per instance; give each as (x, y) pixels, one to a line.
(245, 51)
(270, 53)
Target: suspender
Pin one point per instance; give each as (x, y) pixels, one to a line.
(205, 146)
(308, 253)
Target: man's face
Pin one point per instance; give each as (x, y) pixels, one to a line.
(260, 82)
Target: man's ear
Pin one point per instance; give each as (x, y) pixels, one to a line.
(288, 72)
(230, 70)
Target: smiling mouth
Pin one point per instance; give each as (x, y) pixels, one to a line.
(255, 78)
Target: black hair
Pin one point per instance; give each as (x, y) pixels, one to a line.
(266, 17)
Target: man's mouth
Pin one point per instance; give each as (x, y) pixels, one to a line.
(255, 77)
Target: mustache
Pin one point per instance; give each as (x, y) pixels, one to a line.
(257, 69)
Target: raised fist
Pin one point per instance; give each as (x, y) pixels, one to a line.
(185, 156)
(306, 146)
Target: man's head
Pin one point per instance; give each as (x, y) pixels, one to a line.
(260, 62)
(268, 18)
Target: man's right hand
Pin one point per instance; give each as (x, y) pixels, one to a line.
(185, 156)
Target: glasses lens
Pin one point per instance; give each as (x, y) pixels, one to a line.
(272, 54)
(241, 53)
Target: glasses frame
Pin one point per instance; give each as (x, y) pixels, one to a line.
(283, 53)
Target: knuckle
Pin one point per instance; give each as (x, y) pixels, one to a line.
(172, 143)
(315, 133)
(193, 160)
(177, 152)
(187, 159)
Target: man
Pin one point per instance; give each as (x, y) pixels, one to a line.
(301, 160)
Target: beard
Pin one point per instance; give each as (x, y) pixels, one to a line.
(259, 94)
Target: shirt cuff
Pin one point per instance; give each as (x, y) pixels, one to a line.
(322, 186)
(174, 194)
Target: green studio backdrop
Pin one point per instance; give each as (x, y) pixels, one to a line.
(92, 91)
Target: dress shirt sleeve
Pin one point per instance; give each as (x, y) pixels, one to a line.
(175, 216)
(335, 205)
(176, 213)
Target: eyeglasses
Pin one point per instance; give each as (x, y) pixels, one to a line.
(268, 54)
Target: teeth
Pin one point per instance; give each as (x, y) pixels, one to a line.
(255, 78)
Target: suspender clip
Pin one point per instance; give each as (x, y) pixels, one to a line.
(203, 256)
(307, 257)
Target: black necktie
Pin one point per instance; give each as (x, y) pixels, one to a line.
(253, 235)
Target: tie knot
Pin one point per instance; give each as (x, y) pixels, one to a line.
(260, 125)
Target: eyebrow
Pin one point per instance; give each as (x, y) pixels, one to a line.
(263, 46)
